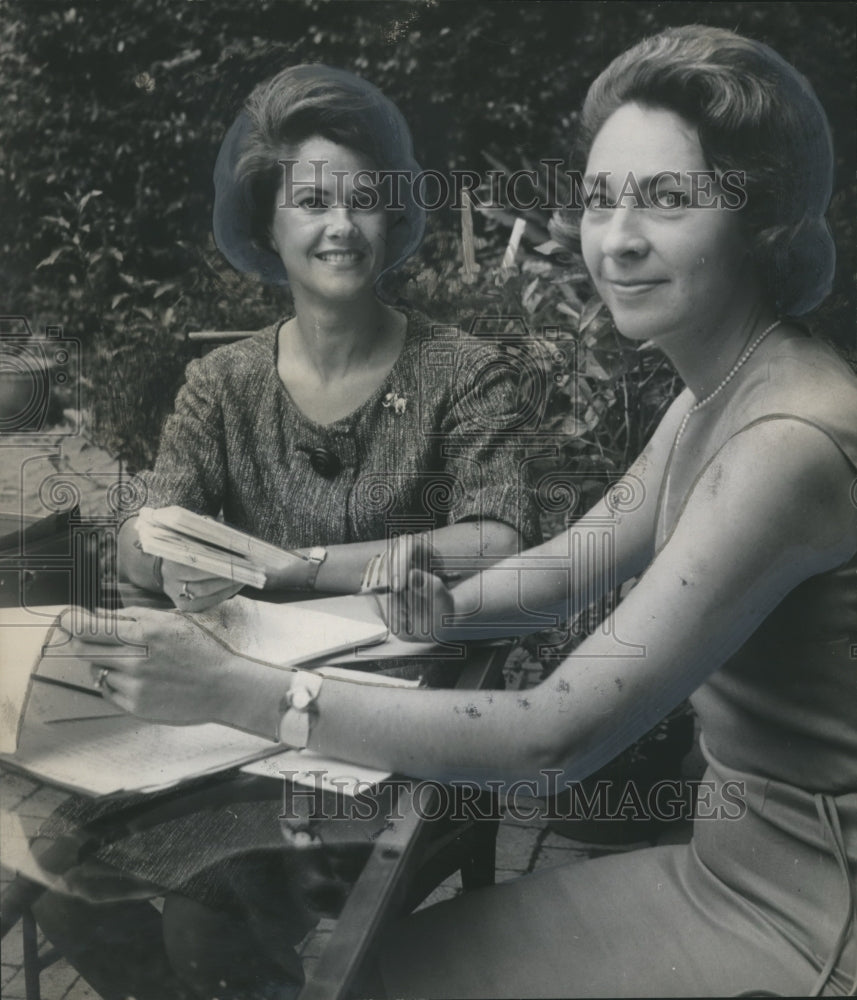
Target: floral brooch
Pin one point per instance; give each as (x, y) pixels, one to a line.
(398, 403)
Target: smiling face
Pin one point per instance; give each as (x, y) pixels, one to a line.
(664, 266)
(332, 248)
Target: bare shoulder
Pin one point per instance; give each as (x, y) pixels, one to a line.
(780, 480)
(804, 377)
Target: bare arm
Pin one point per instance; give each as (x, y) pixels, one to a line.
(555, 581)
(772, 509)
(342, 570)
(340, 573)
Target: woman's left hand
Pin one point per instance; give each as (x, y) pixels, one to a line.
(155, 664)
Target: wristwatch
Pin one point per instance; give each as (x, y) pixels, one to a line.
(297, 709)
(317, 555)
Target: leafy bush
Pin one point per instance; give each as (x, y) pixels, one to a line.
(115, 114)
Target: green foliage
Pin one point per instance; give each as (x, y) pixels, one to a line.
(114, 114)
(129, 380)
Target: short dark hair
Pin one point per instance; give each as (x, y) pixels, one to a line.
(754, 113)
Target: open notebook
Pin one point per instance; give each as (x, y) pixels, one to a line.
(55, 725)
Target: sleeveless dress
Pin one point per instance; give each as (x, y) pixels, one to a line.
(763, 897)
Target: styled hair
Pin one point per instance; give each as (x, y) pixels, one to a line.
(299, 103)
(284, 112)
(756, 114)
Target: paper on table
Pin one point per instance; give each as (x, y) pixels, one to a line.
(394, 648)
(32, 646)
(101, 756)
(24, 633)
(281, 635)
(370, 607)
(285, 635)
(75, 738)
(97, 751)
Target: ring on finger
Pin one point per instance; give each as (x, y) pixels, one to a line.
(301, 834)
(99, 681)
(185, 592)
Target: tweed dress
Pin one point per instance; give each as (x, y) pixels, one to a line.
(433, 445)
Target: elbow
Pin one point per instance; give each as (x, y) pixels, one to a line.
(126, 550)
(500, 541)
(559, 745)
(544, 756)
(131, 565)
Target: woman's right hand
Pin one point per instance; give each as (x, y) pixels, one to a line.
(193, 589)
(419, 599)
(163, 667)
(188, 588)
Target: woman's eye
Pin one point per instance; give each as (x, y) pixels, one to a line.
(313, 204)
(596, 201)
(673, 199)
(366, 204)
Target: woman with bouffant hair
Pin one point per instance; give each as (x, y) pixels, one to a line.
(743, 570)
(292, 432)
(298, 103)
(741, 509)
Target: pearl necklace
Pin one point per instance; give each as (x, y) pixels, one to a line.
(733, 372)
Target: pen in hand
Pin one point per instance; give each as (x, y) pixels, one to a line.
(446, 576)
(86, 718)
(58, 624)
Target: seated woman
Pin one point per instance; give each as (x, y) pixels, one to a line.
(325, 430)
(326, 433)
(743, 504)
